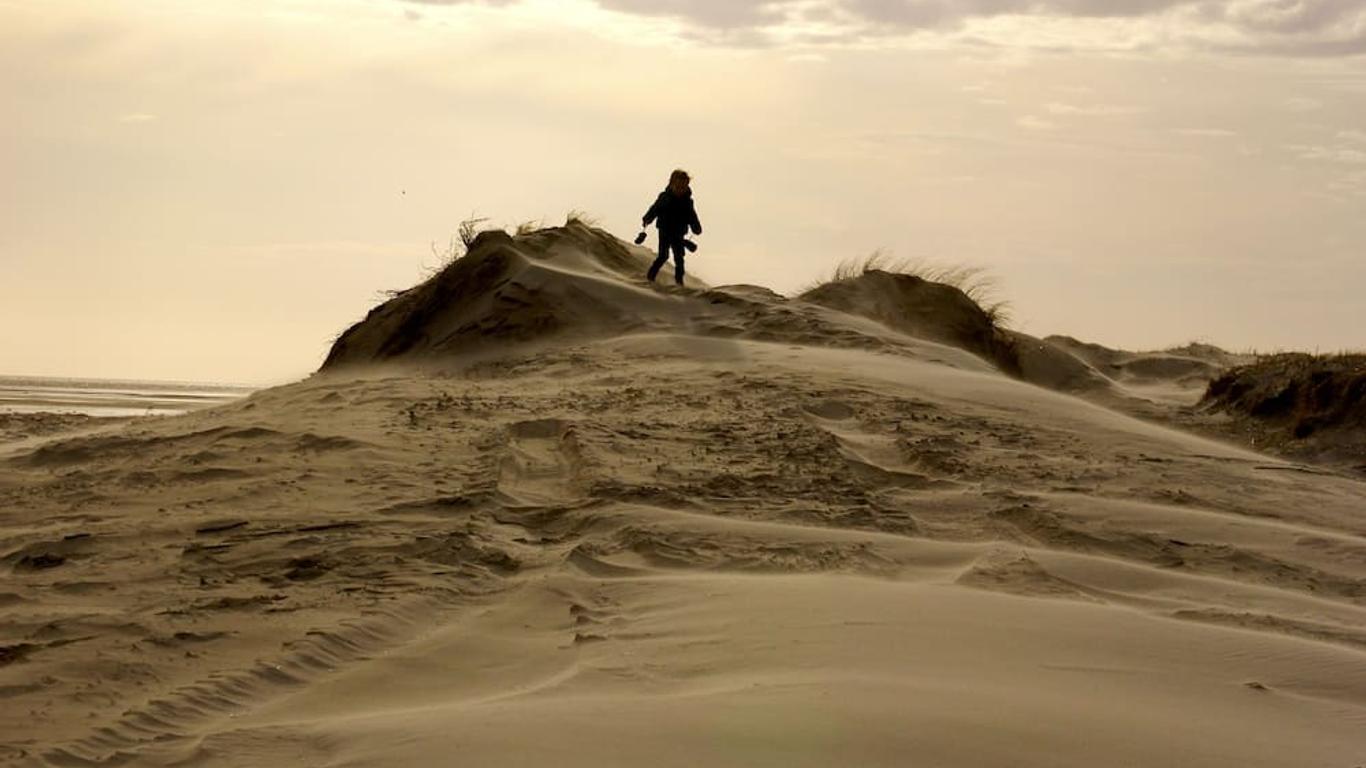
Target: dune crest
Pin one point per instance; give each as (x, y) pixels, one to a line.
(578, 282)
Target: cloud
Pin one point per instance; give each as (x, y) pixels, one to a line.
(134, 118)
(1092, 110)
(1300, 28)
(1349, 184)
(1301, 104)
(1035, 123)
(1332, 154)
(1294, 17)
(941, 13)
(1206, 133)
(1344, 159)
(494, 3)
(714, 14)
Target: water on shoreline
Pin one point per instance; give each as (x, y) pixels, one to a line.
(111, 397)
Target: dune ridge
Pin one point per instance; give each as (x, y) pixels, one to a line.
(576, 282)
(535, 511)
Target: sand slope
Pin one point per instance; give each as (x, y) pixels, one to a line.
(805, 541)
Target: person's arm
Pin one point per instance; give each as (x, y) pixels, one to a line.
(696, 223)
(651, 214)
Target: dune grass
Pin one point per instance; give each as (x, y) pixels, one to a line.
(459, 243)
(1308, 393)
(528, 226)
(577, 216)
(975, 282)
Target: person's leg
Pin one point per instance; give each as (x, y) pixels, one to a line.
(663, 257)
(678, 260)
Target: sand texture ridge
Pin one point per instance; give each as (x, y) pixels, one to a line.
(536, 512)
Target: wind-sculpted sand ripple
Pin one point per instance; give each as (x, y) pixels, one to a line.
(638, 548)
(167, 723)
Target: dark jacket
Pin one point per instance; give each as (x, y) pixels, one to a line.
(676, 215)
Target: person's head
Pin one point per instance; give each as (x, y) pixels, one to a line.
(679, 181)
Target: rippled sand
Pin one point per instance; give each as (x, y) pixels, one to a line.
(676, 549)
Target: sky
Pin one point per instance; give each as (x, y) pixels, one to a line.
(213, 190)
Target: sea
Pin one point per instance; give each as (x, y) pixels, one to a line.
(112, 397)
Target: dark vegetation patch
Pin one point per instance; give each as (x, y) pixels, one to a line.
(1315, 403)
(1303, 394)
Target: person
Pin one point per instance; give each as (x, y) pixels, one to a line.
(675, 214)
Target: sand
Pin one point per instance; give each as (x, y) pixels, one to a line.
(675, 545)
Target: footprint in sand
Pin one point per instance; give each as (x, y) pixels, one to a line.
(540, 464)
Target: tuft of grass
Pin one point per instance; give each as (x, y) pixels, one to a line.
(448, 253)
(529, 226)
(975, 282)
(469, 230)
(458, 244)
(456, 247)
(576, 216)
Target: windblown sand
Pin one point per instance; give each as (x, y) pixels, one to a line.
(673, 549)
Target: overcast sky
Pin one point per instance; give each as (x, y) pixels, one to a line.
(212, 190)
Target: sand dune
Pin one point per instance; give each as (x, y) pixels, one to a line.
(535, 512)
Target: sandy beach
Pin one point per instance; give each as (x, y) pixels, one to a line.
(537, 512)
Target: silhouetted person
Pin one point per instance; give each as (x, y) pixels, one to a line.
(675, 214)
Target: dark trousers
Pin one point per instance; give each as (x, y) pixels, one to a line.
(665, 244)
